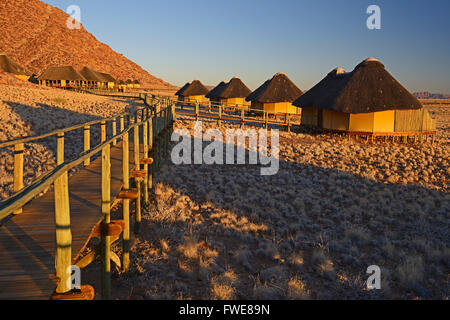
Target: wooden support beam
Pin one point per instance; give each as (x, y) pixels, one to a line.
(106, 211)
(150, 148)
(126, 202)
(136, 146)
(145, 156)
(103, 131)
(114, 131)
(87, 142)
(19, 150)
(63, 256)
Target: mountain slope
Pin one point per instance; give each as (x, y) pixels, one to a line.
(35, 35)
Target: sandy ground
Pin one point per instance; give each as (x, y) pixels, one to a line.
(30, 110)
(335, 208)
(225, 232)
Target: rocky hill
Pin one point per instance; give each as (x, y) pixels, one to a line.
(35, 35)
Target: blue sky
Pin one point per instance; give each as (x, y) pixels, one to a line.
(214, 40)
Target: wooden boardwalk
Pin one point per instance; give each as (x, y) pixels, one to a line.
(27, 241)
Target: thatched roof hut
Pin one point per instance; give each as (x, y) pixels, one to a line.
(9, 66)
(278, 89)
(214, 93)
(276, 96)
(61, 73)
(106, 77)
(368, 99)
(91, 75)
(179, 92)
(234, 89)
(195, 88)
(368, 88)
(193, 92)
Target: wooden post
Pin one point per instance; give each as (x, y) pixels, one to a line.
(150, 148)
(87, 143)
(266, 125)
(114, 130)
(137, 167)
(126, 202)
(18, 170)
(196, 111)
(145, 156)
(289, 124)
(106, 211)
(219, 122)
(103, 131)
(63, 257)
(209, 106)
(242, 119)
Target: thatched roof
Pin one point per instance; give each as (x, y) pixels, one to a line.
(278, 89)
(136, 82)
(90, 74)
(9, 66)
(195, 88)
(106, 77)
(121, 82)
(214, 93)
(368, 88)
(179, 92)
(129, 81)
(61, 73)
(234, 89)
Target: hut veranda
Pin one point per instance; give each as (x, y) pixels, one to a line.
(276, 96)
(368, 99)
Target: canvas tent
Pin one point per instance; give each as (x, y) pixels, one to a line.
(276, 96)
(368, 99)
(65, 76)
(9, 66)
(194, 92)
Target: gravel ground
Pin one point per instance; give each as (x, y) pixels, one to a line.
(335, 208)
(28, 111)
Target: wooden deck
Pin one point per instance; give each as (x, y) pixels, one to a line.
(27, 241)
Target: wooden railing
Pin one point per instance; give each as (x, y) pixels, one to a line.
(238, 112)
(154, 121)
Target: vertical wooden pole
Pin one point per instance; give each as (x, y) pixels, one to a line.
(219, 122)
(138, 184)
(103, 131)
(63, 257)
(114, 130)
(242, 119)
(106, 211)
(150, 148)
(126, 202)
(18, 170)
(145, 156)
(87, 142)
(196, 111)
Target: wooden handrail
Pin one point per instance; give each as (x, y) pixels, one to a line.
(19, 199)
